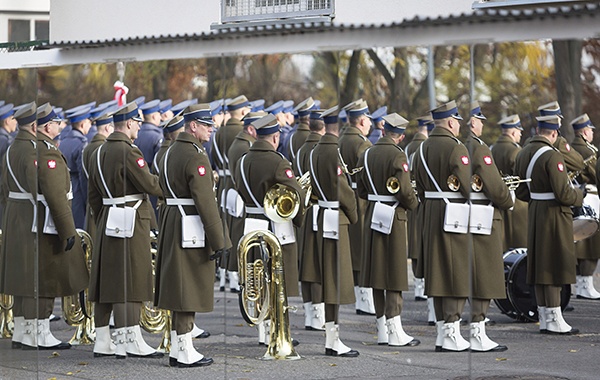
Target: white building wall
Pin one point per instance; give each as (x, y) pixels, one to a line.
(22, 10)
(77, 20)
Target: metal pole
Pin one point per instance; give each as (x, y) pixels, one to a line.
(472, 72)
(431, 77)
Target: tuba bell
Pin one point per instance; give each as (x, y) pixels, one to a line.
(392, 185)
(281, 203)
(476, 183)
(263, 292)
(453, 182)
(77, 310)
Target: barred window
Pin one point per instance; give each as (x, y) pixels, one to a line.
(252, 10)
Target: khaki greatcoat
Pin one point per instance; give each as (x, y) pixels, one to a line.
(384, 263)
(334, 270)
(60, 272)
(185, 276)
(88, 151)
(121, 268)
(550, 247)
(446, 255)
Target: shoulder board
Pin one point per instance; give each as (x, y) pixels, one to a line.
(456, 139)
(34, 143)
(200, 150)
(478, 140)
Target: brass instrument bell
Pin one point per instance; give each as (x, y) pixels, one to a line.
(392, 185)
(453, 182)
(281, 203)
(476, 183)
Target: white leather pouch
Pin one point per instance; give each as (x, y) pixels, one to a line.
(252, 224)
(284, 232)
(456, 218)
(192, 232)
(383, 218)
(331, 224)
(120, 222)
(234, 203)
(482, 217)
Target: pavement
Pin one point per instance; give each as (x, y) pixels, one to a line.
(237, 355)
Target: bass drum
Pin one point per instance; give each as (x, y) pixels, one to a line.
(520, 303)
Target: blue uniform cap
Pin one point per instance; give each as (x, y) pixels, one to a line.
(288, 106)
(126, 112)
(109, 104)
(140, 101)
(150, 107)
(275, 108)
(330, 116)
(179, 107)
(216, 107)
(316, 114)
(199, 112)
(549, 122)
(266, 125)
(378, 114)
(165, 105)
(174, 124)
(6, 111)
(80, 115)
(445, 111)
(96, 112)
(257, 105)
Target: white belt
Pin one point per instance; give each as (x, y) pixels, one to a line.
(353, 184)
(42, 198)
(329, 204)
(542, 196)
(381, 198)
(255, 210)
(443, 194)
(122, 200)
(223, 173)
(180, 202)
(478, 197)
(18, 195)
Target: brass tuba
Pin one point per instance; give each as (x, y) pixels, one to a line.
(153, 319)
(6, 314)
(392, 185)
(73, 306)
(263, 292)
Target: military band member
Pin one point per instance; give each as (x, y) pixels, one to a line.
(415, 222)
(377, 124)
(164, 107)
(336, 198)
(504, 153)
(586, 251)
(121, 276)
(301, 132)
(550, 248)
(256, 172)
(353, 143)
(385, 180)
(312, 291)
(8, 125)
(105, 126)
(445, 253)
(187, 183)
(171, 129)
(72, 146)
(487, 269)
(240, 146)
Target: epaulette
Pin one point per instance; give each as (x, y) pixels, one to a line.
(200, 150)
(456, 139)
(34, 144)
(478, 140)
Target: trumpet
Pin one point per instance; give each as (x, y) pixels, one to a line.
(586, 162)
(513, 181)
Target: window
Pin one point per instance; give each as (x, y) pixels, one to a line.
(18, 30)
(269, 3)
(42, 30)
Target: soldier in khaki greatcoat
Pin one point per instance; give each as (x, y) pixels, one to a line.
(445, 253)
(353, 143)
(256, 172)
(121, 277)
(415, 219)
(185, 276)
(385, 181)
(312, 292)
(504, 153)
(587, 251)
(302, 131)
(550, 247)
(337, 210)
(487, 266)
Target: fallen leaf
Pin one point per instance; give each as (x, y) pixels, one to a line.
(573, 350)
(332, 365)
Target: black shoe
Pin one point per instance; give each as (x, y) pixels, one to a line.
(570, 332)
(498, 348)
(262, 344)
(200, 363)
(153, 355)
(362, 312)
(329, 352)
(418, 299)
(121, 356)
(173, 362)
(438, 348)
(204, 335)
(586, 298)
(569, 308)
(295, 342)
(99, 355)
(60, 346)
(55, 318)
(349, 354)
(544, 331)
(412, 343)
(430, 323)
(490, 322)
(222, 288)
(233, 290)
(16, 345)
